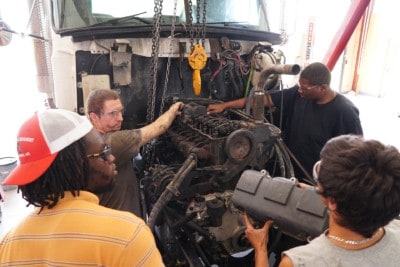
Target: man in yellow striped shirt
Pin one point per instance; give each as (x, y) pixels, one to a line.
(64, 162)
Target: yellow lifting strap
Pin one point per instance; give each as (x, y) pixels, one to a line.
(197, 60)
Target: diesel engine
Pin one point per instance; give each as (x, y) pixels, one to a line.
(188, 192)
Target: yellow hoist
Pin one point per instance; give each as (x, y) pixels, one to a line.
(197, 60)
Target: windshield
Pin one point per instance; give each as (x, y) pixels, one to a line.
(70, 14)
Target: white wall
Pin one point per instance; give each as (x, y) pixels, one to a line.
(380, 56)
(18, 90)
(327, 17)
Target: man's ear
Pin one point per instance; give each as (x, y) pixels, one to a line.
(331, 203)
(92, 115)
(94, 118)
(324, 86)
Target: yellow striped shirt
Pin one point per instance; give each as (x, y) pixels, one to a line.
(79, 232)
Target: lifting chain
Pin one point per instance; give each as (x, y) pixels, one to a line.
(148, 148)
(169, 57)
(191, 24)
(200, 31)
(198, 57)
(203, 28)
(198, 21)
(154, 59)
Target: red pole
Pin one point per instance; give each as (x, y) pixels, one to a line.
(338, 44)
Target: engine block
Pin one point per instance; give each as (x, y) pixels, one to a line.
(189, 191)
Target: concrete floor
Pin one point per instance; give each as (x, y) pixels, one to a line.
(379, 116)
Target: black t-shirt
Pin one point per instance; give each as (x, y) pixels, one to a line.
(307, 126)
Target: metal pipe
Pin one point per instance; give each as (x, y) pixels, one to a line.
(290, 69)
(42, 50)
(258, 93)
(351, 20)
(258, 106)
(171, 189)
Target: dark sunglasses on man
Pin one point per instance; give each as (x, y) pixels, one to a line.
(104, 154)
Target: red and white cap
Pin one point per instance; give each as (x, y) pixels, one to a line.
(39, 140)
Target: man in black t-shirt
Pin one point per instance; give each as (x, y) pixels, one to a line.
(312, 114)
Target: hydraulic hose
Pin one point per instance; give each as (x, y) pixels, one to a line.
(285, 157)
(172, 188)
(280, 160)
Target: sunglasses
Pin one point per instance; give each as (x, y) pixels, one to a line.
(104, 154)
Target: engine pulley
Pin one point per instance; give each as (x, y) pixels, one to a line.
(240, 145)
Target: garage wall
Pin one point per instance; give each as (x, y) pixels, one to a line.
(379, 60)
(324, 18)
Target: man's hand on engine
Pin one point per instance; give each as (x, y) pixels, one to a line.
(176, 108)
(215, 108)
(161, 124)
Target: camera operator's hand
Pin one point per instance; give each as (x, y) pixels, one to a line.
(258, 238)
(307, 186)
